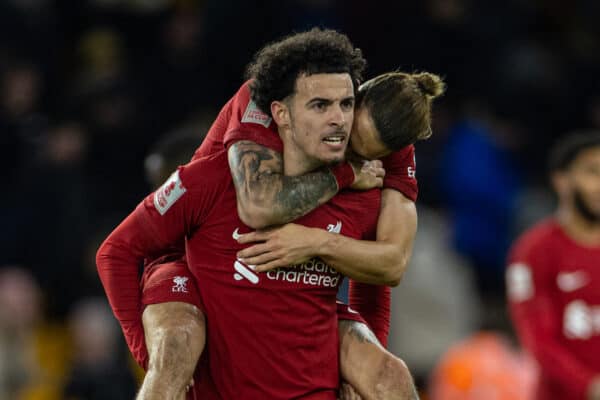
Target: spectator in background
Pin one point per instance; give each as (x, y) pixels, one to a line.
(174, 149)
(33, 353)
(21, 123)
(481, 182)
(49, 214)
(553, 279)
(99, 371)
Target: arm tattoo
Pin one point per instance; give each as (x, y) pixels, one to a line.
(258, 177)
(360, 331)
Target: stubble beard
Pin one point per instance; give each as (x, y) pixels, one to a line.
(583, 210)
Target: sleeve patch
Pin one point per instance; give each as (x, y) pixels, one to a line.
(255, 115)
(519, 282)
(168, 193)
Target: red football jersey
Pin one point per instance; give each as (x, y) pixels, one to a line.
(241, 119)
(272, 335)
(553, 288)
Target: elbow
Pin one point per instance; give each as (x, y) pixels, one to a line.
(395, 273)
(393, 279)
(101, 257)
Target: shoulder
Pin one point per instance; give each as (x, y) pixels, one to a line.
(210, 171)
(536, 243)
(530, 261)
(248, 122)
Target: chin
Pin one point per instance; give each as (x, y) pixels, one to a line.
(335, 160)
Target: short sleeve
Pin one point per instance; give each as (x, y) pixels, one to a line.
(400, 172)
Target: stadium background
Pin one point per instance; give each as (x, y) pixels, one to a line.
(90, 89)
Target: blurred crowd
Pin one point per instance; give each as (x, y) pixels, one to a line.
(91, 91)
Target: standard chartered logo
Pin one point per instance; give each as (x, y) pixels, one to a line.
(314, 272)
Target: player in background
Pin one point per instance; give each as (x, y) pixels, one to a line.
(553, 277)
(400, 79)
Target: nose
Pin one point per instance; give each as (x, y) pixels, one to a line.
(338, 116)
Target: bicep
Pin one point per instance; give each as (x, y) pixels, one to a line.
(257, 173)
(249, 162)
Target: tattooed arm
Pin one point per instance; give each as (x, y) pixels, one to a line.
(267, 197)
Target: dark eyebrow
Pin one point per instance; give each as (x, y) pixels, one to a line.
(319, 100)
(328, 101)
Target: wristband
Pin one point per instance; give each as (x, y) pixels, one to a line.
(344, 175)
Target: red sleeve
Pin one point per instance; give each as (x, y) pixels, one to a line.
(373, 304)
(400, 172)
(264, 137)
(538, 325)
(161, 220)
(248, 122)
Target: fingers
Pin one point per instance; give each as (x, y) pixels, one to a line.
(373, 163)
(256, 236)
(253, 251)
(374, 167)
(189, 385)
(271, 265)
(260, 260)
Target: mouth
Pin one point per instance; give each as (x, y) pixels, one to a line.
(334, 139)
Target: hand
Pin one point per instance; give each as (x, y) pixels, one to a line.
(593, 392)
(367, 174)
(348, 393)
(280, 247)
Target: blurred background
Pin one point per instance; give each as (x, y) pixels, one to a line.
(98, 97)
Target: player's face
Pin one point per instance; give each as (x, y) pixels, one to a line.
(585, 183)
(321, 114)
(365, 139)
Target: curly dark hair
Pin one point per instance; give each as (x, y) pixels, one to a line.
(277, 65)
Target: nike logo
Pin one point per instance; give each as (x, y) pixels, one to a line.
(571, 281)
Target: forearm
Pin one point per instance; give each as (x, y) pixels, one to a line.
(276, 199)
(118, 271)
(366, 261)
(118, 262)
(265, 196)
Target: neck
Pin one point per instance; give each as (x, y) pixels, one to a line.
(580, 229)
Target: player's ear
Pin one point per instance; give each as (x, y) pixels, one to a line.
(281, 113)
